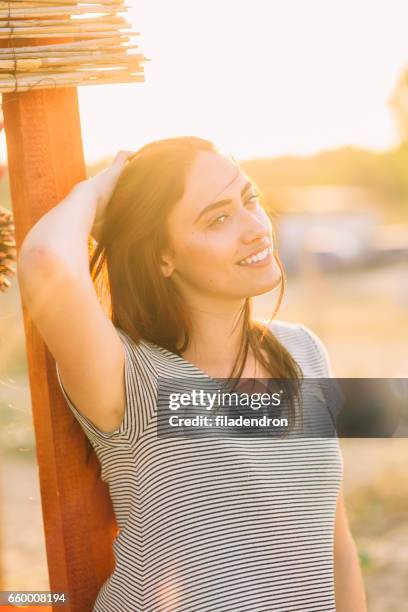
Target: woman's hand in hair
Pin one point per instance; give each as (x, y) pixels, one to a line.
(103, 185)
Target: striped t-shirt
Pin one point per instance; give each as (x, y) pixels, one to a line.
(216, 525)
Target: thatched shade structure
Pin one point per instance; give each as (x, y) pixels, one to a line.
(101, 47)
(7, 248)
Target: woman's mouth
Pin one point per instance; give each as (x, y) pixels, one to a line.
(263, 258)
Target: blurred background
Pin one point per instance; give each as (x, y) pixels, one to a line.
(312, 99)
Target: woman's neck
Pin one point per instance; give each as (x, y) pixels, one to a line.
(216, 335)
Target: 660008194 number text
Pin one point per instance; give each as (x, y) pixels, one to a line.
(38, 598)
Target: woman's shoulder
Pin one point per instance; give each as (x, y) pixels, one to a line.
(139, 353)
(156, 357)
(284, 329)
(303, 343)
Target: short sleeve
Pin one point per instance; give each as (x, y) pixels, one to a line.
(325, 367)
(333, 393)
(139, 385)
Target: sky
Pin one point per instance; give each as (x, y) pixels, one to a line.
(259, 77)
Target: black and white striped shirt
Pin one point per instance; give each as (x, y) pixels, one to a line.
(216, 525)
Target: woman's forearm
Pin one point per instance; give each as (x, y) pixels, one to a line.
(63, 231)
(349, 586)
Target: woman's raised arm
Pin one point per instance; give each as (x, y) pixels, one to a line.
(58, 292)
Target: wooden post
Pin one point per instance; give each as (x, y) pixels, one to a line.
(45, 159)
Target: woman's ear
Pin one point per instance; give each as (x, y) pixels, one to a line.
(166, 264)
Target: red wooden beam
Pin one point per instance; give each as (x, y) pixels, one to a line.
(45, 159)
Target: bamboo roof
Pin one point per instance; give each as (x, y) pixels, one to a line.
(94, 44)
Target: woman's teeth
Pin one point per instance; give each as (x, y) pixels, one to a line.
(258, 257)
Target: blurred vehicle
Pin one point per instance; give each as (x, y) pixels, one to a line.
(337, 227)
(390, 244)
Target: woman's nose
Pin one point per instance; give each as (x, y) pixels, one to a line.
(254, 228)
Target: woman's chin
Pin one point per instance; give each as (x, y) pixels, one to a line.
(264, 288)
(262, 283)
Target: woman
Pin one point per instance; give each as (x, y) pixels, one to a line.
(227, 524)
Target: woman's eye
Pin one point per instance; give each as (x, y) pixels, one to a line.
(253, 199)
(217, 220)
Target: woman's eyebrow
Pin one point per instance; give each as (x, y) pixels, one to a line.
(220, 203)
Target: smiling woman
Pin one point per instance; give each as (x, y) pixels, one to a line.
(227, 524)
(192, 249)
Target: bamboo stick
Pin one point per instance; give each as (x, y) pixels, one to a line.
(79, 74)
(52, 2)
(7, 12)
(34, 4)
(74, 55)
(97, 43)
(52, 83)
(60, 32)
(26, 65)
(72, 83)
(65, 55)
(31, 65)
(41, 23)
(130, 67)
(22, 77)
(91, 27)
(12, 5)
(17, 25)
(61, 35)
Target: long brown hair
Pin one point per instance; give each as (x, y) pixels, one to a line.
(145, 304)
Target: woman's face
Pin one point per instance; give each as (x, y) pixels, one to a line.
(214, 228)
